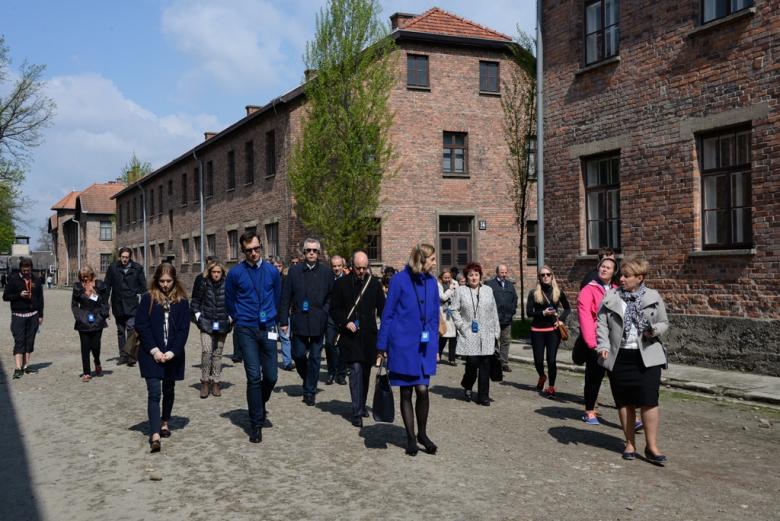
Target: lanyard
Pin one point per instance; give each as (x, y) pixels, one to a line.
(475, 306)
(422, 305)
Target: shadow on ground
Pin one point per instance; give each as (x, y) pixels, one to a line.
(176, 423)
(382, 435)
(570, 413)
(336, 408)
(593, 438)
(450, 393)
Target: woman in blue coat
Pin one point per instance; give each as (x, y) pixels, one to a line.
(409, 338)
(163, 323)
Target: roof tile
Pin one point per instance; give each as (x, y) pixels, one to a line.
(97, 198)
(439, 21)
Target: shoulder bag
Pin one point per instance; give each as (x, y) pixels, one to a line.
(562, 329)
(383, 407)
(354, 306)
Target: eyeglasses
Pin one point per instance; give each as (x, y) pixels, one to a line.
(310, 250)
(360, 268)
(256, 249)
(545, 275)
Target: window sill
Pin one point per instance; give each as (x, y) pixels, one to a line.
(531, 263)
(603, 63)
(266, 178)
(705, 28)
(490, 93)
(742, 252)
(447, 175)
(418, 87)
(249, 183)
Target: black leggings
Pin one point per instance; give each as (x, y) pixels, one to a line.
(443, 341)
(542, 341)
(90, 344)
(477, 370)
(594, 374)
(408, 412)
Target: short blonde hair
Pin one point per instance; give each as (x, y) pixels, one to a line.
(417, 257)
(87, 271)
(635, 266)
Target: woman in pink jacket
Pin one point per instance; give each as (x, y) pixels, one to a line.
(588, 303)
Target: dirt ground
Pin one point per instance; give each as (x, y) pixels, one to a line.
(76, 450)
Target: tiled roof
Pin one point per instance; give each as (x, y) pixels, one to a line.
(438, 21)
(66, 203)
(97, 198)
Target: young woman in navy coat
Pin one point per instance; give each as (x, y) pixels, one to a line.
(163, 323)
(409, 338)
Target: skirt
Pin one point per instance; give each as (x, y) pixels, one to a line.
(632, 383)
(401, 380)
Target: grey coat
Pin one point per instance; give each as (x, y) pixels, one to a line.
(609, 328)
(483, 342)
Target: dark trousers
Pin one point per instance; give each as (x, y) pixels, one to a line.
(546, 341)
(443, 341)
(153, 386)
(359, 377)
(477, 370)
(90, 344)
(336, 364)
(124, 326)
(261, 369)
(307, 353)
(594, 374)
(24, 330)
(237, 355)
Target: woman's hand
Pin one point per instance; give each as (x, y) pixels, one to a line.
(159, 357)
(379, 356)
(603, 355)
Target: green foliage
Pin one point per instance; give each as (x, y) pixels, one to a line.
(338, 165)
(135, 170)
(8, 199)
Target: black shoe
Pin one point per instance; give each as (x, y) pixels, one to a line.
(485, 402)
(429, 446)
(165, 433)
(308, 399)
(411, 447)
(130, 363)
(506, 368)
(30, 370)
(358, 422)
(236, 360)
(267, 424)
(341, 380)
(656, 459)
(330, 380)
(365, 414)
(467, 394)
(122, 360)
(18, 373)
(154, 445)
(288, 367)
(255, 434)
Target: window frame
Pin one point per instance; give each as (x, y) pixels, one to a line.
(609, 157)
(374, 242)
(729, 11)
(413, 58)
(249, 159)
(196, 185)
(231, 171)
(601, 51)
(183, 200)
(105, 262)
(209, 181)
(498, 77)
(452, 148)
(103, 228)
(270, 153)
(185, 251)
(211, 244)
(272, 239)
(529, 246)
(232, 239)
(160, 201)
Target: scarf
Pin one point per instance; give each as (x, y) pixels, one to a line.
(633, 315)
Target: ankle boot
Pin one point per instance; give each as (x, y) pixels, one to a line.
(204, 389)
(215, 389)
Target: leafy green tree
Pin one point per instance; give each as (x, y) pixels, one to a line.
(338, 164)
(8, 207)
(135, 169)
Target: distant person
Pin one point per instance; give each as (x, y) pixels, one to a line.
(49, 281)
(337, 369)
(126, 281)
(163, 323)
(26, 298)
(284, 338)
(89, 304)
(604, 253)
(447, 288)
(506, 300)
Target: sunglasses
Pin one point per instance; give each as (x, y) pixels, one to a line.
(256, 249)
(311, 250)
(545, 275)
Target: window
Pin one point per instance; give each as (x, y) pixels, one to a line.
(185, 251)
(454, 154)
(530, 241)
(151, 203)
(272, 239)
(416, 70)
(726, 189)
(160, 201)
(210, 179)
(455, 241)
(135, 210)
(119, 216)
(184, 189)
(161, 247)
(196, 186)
(714, 9)
(105, 262)
(195, 249)
(601, 30)
(374, 242)
(531, 148)
(170, 187)
(602, 202)
(249, 154)
(211, 244)
(231, 170)
(127, 214)
(488, 77)
(270, 153)
(152, 254)
(232, 244)
(106, 231)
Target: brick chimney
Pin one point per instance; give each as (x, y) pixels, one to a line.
(251, 109)
(399, 20)
(209, 135)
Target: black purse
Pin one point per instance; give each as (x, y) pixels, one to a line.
(384, 404)
(579, 353)
(496, 371)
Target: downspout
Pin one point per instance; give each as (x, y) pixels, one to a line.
(539, 139)
(78, 248)
(202, 213)
(146, 236)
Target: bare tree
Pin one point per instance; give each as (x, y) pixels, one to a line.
(45, 242)
(518, 101)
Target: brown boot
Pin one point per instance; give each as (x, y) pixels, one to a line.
(215, 389)
(204, 389)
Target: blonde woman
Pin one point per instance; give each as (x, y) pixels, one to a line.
(212, 319)
(163, 323)
(543, 305)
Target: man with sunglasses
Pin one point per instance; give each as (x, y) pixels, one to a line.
(252, 291)
(305, 301)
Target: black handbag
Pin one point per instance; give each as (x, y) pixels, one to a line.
(579, 353)
(496, 371)
(384, 405)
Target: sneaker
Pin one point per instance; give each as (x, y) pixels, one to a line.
(30, 370)
(590, 418)
(549, 392)
(540, 383)
(98, 370)
(85, 378)
(638, 425)
(18, 373)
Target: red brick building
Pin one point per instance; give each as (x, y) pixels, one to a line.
(450, 184)
(662, 139)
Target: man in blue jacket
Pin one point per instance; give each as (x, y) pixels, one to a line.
(305, 301)
(252, 291)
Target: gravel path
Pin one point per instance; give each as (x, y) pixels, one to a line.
(76, 450)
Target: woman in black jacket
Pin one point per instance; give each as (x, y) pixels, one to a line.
(211, 317)
(89, 304)
(542, 306)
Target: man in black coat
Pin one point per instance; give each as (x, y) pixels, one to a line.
(357, 328)
(127, 282)
(506, 302)
(26, 298)
(337, 369)
(305, 301)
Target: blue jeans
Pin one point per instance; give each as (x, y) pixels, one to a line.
(260, 366)
(153, 386)
(286, 346)
(308, 367)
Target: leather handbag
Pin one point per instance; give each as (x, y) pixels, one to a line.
(496, 369)
(563, 330)
(442, 324)
(383, 407)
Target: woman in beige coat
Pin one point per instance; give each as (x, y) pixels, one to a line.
(447, 289)
(630, 321)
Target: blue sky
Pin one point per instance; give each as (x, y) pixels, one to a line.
(150, 76)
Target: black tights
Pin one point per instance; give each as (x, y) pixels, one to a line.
(542, 341)
(408, 412)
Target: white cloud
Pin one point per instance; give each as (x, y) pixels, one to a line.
(95, 131)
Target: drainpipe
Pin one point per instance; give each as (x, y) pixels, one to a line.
(202, 213)
(146, 231)
(78, 248)
(539, 139)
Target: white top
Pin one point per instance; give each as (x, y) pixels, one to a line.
(632, 341)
